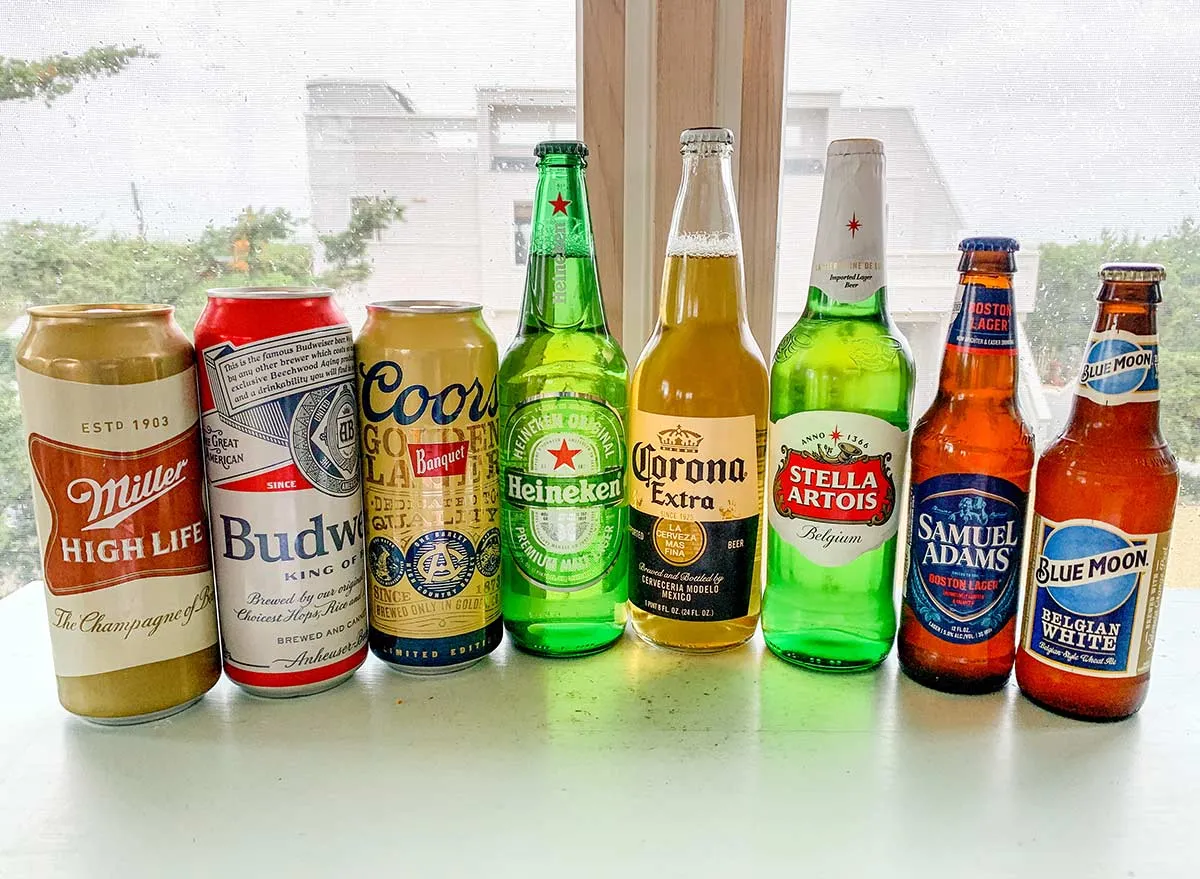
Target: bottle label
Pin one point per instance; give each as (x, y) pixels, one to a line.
(118, 497)
(982, 320)
(694, 513)
(281, 451)
(1093, 596)
(964, 555)
(1118, 368)
(848, 263)
(834, 483)
(564, 486)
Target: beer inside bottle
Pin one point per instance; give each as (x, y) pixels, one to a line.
(1103, 512)
(563, 398)
(972, 455)
(841, 396)
(698, 416)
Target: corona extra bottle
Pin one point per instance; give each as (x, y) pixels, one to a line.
(841, 397)
(698, 416)
(1103, 510)
(563, 397)
(972, 454)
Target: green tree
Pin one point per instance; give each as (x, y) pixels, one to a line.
(346, 251)
(56, 75)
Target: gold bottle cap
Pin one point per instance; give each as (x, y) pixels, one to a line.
(1131, 271)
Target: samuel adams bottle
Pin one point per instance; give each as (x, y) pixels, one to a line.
(1103, 510)
(698, 425)
(841, 393)
(563, 391)
(972, 454)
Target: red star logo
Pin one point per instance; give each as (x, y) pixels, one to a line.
(835, 436)
(559, 204)
(854, 225)
(564, 455)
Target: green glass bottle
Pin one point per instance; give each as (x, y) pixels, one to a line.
(841, 398)
(564, 386)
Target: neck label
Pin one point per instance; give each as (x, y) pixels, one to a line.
(1119, 367)
(983, 320)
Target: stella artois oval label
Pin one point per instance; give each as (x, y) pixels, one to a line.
(835, 483)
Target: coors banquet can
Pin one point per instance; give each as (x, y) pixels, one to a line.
(108, 394)
(285, 495)
(427, 408)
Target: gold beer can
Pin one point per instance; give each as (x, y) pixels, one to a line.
(427, 411)
(108, 396)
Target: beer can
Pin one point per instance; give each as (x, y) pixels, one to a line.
(284, 489)
(427, 410)
(108, 396)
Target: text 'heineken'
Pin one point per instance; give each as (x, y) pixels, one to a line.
(698, 425)
(563, 388)
(841, 395)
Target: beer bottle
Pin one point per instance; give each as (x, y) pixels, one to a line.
(1103, 509)
(697, 429)
(841, 397)
(563, 398)
(972, 454)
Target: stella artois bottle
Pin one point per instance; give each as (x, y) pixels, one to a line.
(698, 418)
(841, 397)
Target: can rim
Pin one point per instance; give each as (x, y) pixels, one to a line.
(430, 307)
(269, 292)
(101, 310)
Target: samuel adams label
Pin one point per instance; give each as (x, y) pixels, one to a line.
(693, 515)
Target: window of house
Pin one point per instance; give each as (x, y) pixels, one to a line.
(522, 226)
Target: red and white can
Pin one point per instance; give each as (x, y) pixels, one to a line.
(279, 416)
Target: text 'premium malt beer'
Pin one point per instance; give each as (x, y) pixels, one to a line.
(697, 427)
(563, 394)
(108, 394)
(841, 392)
(427, 408)
(285, 499)
(1103, 511)
(972, 454)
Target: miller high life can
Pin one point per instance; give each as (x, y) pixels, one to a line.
(427, 407)
(108, 394)
(285, 494)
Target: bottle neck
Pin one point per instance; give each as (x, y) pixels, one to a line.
(703, 276)
(980, 359)
(562, 289)
(848, 273)
(1114, 393)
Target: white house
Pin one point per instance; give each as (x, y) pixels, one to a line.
(467, 181)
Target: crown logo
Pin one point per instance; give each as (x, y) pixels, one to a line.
(677, 439)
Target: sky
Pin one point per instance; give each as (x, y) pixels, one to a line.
(1049, 119)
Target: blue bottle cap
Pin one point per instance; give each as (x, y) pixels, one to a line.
(989, 243)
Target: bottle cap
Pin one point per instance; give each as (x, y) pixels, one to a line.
(989, 244)
(560, 148)
(705, 135)
(855, 146)
(1132, 271)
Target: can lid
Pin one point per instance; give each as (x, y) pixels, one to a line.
(855, 146)
(705, 135)
(101, 310)
(269, 292)
(989, 244)
(1132, 271)
(425, 306)
(561, 147)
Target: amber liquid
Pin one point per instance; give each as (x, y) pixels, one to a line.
(702, 362)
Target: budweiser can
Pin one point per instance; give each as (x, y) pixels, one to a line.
(108, 394)
(427, 407)
(285, 495)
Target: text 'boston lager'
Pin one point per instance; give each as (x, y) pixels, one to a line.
(841, 395)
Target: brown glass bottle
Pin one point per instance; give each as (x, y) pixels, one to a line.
(1103, 510)
(972, 455)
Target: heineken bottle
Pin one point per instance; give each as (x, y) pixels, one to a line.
(563, 392)
(841, 396)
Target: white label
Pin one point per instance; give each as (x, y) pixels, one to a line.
(1119, 367)
(117, 496)
(835, 480)
(848, 257)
